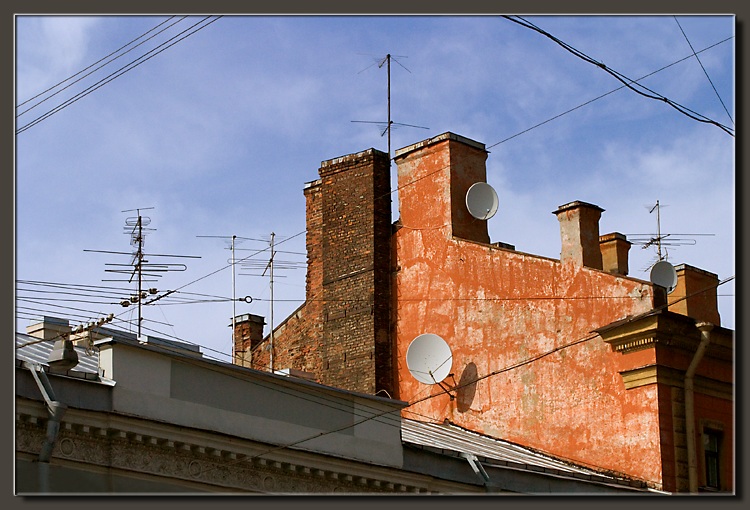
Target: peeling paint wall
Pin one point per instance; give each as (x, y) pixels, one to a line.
(527, 364)
(497, 308)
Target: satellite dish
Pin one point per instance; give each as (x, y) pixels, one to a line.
(664, 275)
(429, 358)
(481, 201)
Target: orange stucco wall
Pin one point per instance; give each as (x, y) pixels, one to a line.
(497, 308)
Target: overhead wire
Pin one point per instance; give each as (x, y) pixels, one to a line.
(602, 96)
(128, 67)
(94, 64)
(704, 70)
(627, 82)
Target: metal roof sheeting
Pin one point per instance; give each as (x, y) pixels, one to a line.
(38, 352)
(449, 439)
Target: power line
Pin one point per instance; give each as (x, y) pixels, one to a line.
(92, 65)
(627, 82)
(128, 67)
(604, 95)
(704, 70)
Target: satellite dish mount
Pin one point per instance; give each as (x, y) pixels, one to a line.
(429, 360)
(481, 201)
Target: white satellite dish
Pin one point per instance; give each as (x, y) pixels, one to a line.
(664, 275)
(429, 358)
(481, 201)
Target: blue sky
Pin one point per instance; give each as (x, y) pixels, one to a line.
(219, 133)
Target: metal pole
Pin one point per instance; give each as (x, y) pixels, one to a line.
(234, 312)
(388, 58)
(140, 271)
(271, 278)
(658, 230)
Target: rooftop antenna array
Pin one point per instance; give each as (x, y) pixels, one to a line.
(139, 268)
(662, 272)
(232, 262)
(269, 268)
(389, 124)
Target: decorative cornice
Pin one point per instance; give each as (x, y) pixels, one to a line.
(209, 460)
(664, 328)
(659, 374)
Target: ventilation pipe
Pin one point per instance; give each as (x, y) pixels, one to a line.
(705, 329)
(55, 410)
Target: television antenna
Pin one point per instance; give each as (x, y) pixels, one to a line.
(389, 124)
(270, 268)
(662, 242)
(139, 267)
(232, 261)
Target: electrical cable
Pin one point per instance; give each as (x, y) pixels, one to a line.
(92, 65)
(627, 82)
(704, 70)
(132, 65)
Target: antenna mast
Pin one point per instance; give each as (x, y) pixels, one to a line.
(270, 273)
(140, 266)
(658, 229)
(234, 311)
(662, 241)
(388, 59)
(389, 123)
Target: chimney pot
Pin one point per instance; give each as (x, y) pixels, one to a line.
(579, 233)
(614, 248)
(700, 288)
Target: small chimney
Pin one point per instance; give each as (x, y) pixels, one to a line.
(700, 286)
(248, 333)
(614, 248)
(579, 232)
(49, 328)
(434, 176)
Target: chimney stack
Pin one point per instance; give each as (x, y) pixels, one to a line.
(579, 232)
(614, 248)
(700, 287)
(248, 332)
(433, 177)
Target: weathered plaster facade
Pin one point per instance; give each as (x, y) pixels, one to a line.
(497, 308)
(528, 365)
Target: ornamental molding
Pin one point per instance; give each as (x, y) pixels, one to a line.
(228, 465)
(659, 374)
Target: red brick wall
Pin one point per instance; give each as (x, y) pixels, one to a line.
(342, 332)
(356, 267)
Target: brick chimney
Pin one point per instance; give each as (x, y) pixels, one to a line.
(433, 177)
(701, 286)
(353, 251)
(614, 248)
(248, 333)
(579, 232)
